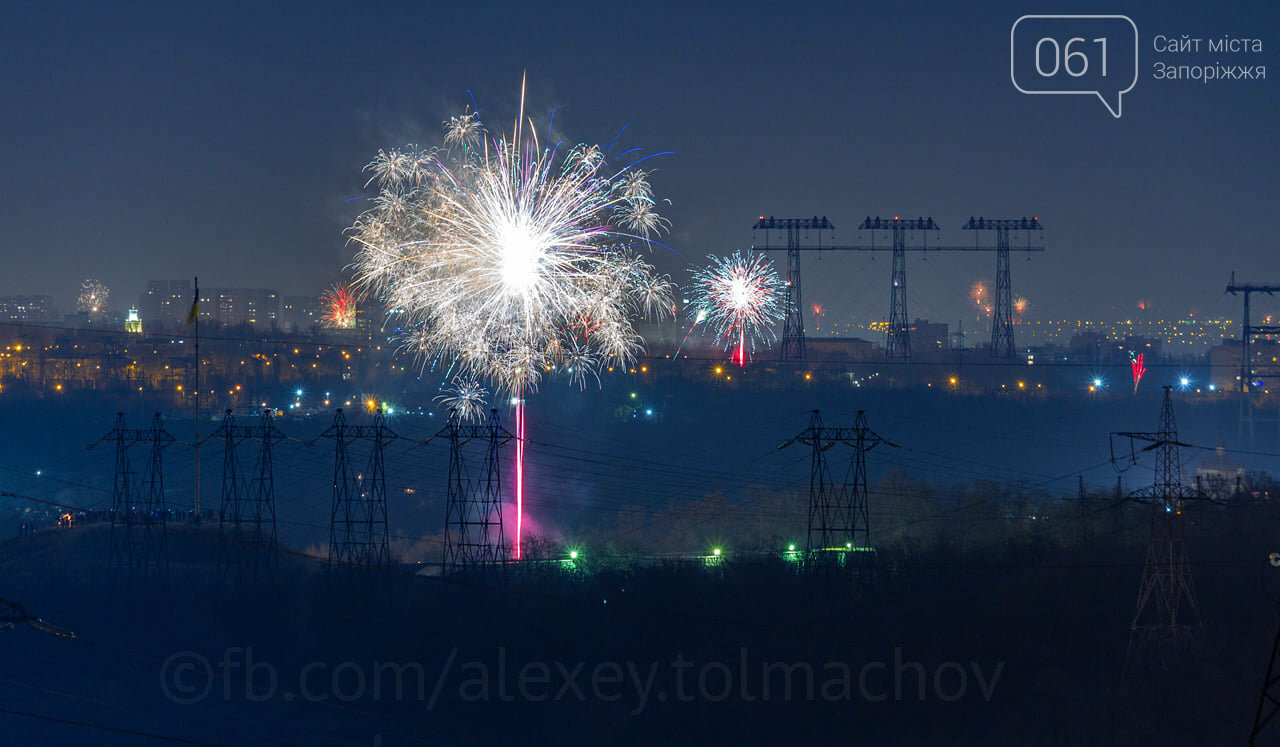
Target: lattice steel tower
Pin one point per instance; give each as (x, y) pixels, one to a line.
(247, 516)
(474, 537)
(838, 521)
(1002, 315)
(897, 343)
(358, 519)
(1167, 610)
(793, 344)
(139, 514)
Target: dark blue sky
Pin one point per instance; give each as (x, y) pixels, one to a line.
(222, 140)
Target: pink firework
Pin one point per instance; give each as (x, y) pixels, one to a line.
(818, 310)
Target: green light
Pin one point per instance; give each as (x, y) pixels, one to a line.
(848, 545)
(716, 552)
(573, 555)
(633, 395)
(791, 548)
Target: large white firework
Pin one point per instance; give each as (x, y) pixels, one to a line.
(510, 257)
(741, 297)
(93, 296)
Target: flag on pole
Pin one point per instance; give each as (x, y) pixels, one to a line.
(194, 315)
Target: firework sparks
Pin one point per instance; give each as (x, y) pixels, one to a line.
(981, 297)
(339, 308)
(818, 310)
(510, 259)
(466, 398)
(1020, 305)
(741, 296)
(93, 296)
(1135, 362)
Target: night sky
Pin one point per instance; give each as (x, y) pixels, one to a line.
(226, 140)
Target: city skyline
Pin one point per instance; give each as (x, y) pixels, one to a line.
(822, 135)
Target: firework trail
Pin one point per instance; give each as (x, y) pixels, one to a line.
(93, 296)
(699, 318)
(818, 310)
(339, 308)
(741, 296)
(1135, 362)
(509, 257)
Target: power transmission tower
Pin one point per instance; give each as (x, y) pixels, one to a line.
(358, 519)
(793, 347)
(839, 532)
(1002, 316)
(1269, 700)
(898, 338)
(898, 335)
(139, 516)
(247, 516)
(1167, 610)
(1249, 330)
(474, 538)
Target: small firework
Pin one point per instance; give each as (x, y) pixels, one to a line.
(339, 308)
(742, 298)
(1135, 362)
(981, 298)
(818, 310)
(1020, 305)
(93, 296)
(464, 397)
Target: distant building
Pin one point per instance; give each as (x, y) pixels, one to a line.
(300, 313)
(165, 303)
(1087, 347)
(1224, 363)
(1219, 475)
(133, 322)
(929, 336)
(1220, 466)
(26, 309)
(1148, 347)
(231, 307)
(837, 349)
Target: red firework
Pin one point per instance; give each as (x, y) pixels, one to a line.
(1138, 370)
(340, 307)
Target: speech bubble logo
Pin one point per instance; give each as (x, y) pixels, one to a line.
(1075, 55)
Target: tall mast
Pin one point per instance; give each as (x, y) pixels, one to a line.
(196, 310)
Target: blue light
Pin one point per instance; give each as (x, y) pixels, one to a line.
(298, 393)
(649, 413)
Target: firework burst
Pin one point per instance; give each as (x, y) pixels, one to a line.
(510, 258)
(340, 308)
(93, 296)
(741, 297)
(980, 297)
(818, 310)
(466, 398)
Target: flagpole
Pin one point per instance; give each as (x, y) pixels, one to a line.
(195, 311)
